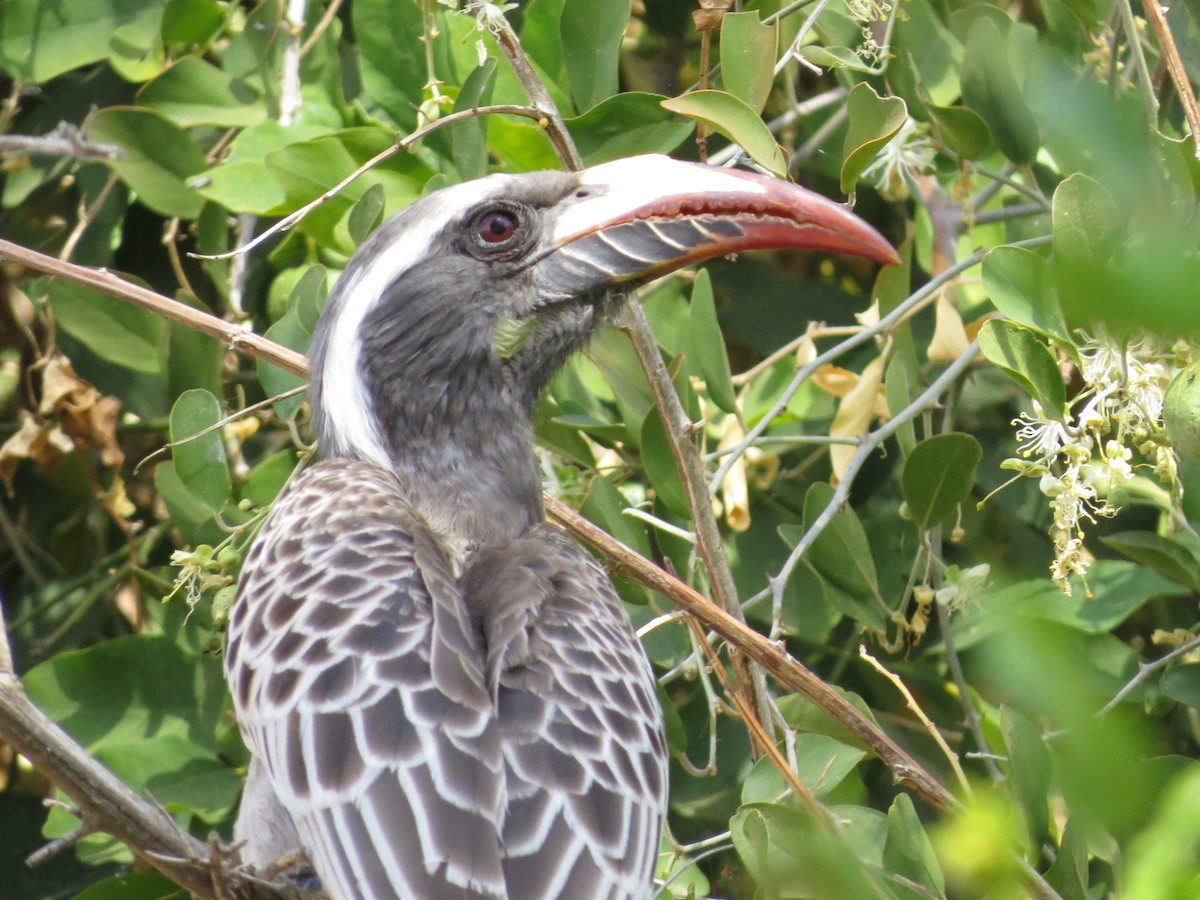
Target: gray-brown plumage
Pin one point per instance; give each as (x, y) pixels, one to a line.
(443, 695)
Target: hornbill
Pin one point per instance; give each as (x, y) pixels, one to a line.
(442, 694)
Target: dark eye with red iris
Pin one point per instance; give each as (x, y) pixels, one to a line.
(496, 227)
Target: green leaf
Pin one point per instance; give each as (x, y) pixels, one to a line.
(191, 21)
(130, 689)
(1030, 765)
(290, 332)
(822, 763)
(1021, 285)
(468, 140)
(39, 40)
(960, 130)
(729, 116)
(1088, 223)
(592, 31)
(708, 345)
(391, 56)
(1182, 684)
(660, 464)
(181, 775)
(191, 360)
(193, 518)
(627, 124)
(134, 886)
(990, 88)
(841, 553)
(874, 121)
(364, 217)
(1166, 556)
(907, 850)
(136, 50)
(118, 332)
(158, 158)
(748, 51)
(195, 92)
(1027, 361)
(938, 476)
(790, 856)
(200, 458)
(1119, 589)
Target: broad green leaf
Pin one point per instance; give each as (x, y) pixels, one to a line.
(592, 31)
(1020, 284)
(177, 771)
(874, 121)
(960, 130)
(364, 216)
(708, 344)
(729, 116)
(748, 51)
(927, 61)
(191, 21)
(39, 40)
(1182, 683)
(627, 124)
(130, 689)
(790, 856)
(1027, 361)
(605, 506)
(1030, 766)
(195, 92)
(191, 360)
(290, 332)
(841, 553)
(158, 158)
(938, 475)
(391, 56)
(118, 332)
(1166, 556)
(1069, 874)
(244, 186)
(267, 479)
(468, 140)
(990, 88)
(136, 50)
(907, 851)
(660, 464)
(1119, 589)
(200, 458)
(134, 886)
(821, 764)
(1088, 223)
(193, 518)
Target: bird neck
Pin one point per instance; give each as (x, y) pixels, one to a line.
(475, 481)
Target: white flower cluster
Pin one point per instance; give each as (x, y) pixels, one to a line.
(1084, 460)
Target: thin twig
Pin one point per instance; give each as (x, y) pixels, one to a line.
(1145, 670)
(912, 704)
(1179, 75)
(65, 140)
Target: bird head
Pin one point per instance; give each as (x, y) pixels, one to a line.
(460, 308)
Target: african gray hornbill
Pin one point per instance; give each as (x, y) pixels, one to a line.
(442, 694)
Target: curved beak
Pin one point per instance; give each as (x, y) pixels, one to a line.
(634, 219)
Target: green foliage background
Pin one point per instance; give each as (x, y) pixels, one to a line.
(961, 129)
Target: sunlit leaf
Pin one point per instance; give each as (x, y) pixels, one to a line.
(874, 121)
(199, 451)
(1027, 361)
(748, 51)
(729, 116)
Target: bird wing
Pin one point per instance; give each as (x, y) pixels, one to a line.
(357, 680)
(580, 722)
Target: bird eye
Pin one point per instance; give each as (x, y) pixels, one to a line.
(496, 226)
